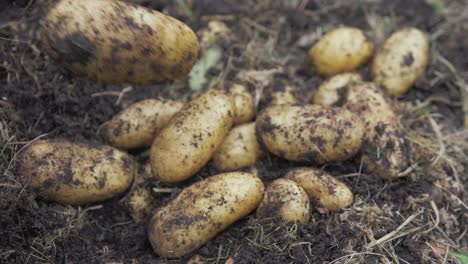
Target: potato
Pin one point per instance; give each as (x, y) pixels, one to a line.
(385, 150)
(239, 149)
(215, 32)
(243, 103)
(140, 199)
(72, 173)
(401, 60)
(340, 50)
(310, 133)
(192, 136)
(332, 92)
(203, 210)
(285, 199)
(136, 126)
(280, 92)
(322, 188)
(116, 42)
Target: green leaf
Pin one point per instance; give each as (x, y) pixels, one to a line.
(463, 257)
(210, 58)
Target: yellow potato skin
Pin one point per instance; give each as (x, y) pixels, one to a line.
(72, 173)
(287, 200)
(243, 103)
(323, 188)
(341, 50)
(116, 42)
(192, 136)
(401, 60)
(136, 126)
(203, 210)
(240, 149)
(310, 133)
(332, 92)
(385, 150)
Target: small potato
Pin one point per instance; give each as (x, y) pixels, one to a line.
(72, 173)
(323, 188)
(203, 210)
(140, 199)
(239, 149)
(116, 42)
(287, 200)
(136, 126)
(280, 92)
(332, 92)
(192, 136)
(340, 50)
(401, 60)
(215, 32)
(385, 150)
(243, 103)
(310, 133)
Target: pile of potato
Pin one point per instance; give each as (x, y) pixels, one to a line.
(347, 118)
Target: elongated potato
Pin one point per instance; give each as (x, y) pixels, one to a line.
(203, 210)
(333, 91)
(192, 136)
(116, 42)
(136, 126)
(287, 200)
(239, 149)
(401, 60)
(340, 50)
(385, 150)
(323, 188)
(243, 103)
(310, 133)
(72, 173)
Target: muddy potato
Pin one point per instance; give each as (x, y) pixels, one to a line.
(72, 173)
(192, 136)
(215, 32)
(285, 199)
(310, 133)
(333, 90)
(136, 126)
(239, 149)
(340, 50)
(202, 210)
(243, 103)
(323, 188)
(401, 60)
(280, 92)
(385, 150)
(140, 199)
(116, 42)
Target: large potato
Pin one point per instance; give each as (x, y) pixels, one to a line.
(310, 133)
(203, 210)
(385, 150)
(287, 200)
(401, 60)
(340, 50)
(136, 126)
(192, 136)
(243, 103)
(72, 173)
(239, 149)
(332, 92)
(322, 188)
(115, 42)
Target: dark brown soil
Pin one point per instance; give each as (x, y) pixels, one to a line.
(39, 98)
